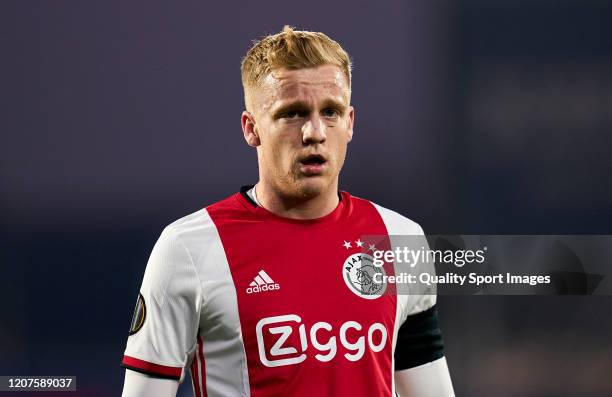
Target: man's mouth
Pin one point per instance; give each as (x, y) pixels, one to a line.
(313, 164)
(313, 159)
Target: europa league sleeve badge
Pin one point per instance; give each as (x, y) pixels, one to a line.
(140, 314)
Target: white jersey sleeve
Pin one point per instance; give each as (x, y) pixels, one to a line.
(431, 379)
(164, 329)
(398, 226)
(139, 385)
(417, 339)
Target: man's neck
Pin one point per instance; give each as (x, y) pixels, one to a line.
(310, 208)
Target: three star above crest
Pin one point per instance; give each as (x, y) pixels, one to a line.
(359, 244)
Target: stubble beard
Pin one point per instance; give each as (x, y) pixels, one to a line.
(299, 187)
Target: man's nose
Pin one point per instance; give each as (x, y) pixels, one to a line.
(313, 130)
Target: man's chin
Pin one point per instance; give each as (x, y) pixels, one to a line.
(312, 186)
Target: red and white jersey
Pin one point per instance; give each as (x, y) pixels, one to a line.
(254, 304)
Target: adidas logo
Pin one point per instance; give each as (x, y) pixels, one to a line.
(262, 283)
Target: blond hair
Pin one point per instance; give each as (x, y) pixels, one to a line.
(291, 49)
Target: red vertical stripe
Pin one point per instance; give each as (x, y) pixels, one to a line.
(202, 365)
(195, 375)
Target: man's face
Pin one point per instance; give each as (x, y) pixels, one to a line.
(301, 124)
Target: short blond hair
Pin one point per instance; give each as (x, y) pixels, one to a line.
(291, 49)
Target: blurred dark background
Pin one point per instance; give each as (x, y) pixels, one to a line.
(471, 117)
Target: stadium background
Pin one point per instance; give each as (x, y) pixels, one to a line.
(471, 117)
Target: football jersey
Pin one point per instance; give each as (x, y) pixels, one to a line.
(254, 304)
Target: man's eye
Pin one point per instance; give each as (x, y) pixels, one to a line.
(330, 112)
(293, 114)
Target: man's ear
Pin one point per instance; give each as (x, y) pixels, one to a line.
(249, 129)
(351, 121)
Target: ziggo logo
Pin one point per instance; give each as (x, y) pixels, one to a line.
(329, 347)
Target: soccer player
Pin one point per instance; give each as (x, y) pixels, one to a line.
(269, 292)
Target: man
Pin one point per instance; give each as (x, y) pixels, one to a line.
(261, 294)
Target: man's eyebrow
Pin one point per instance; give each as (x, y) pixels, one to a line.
(333, 103)
(291, 106)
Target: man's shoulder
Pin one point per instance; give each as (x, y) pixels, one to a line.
(201, 219)
(397, 224)
(195, 221)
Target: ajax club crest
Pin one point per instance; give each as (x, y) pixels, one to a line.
(362, 277)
